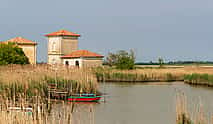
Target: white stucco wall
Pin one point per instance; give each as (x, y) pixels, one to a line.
(84, 62)
(54, 59)
(72, 61)
(54, 50)
(54, 45)
(30, 52)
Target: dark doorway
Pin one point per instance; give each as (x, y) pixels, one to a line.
(67, 63)
(77, 63)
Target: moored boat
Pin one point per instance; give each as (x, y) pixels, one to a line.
(84, 98)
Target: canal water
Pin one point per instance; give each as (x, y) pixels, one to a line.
(128, 103)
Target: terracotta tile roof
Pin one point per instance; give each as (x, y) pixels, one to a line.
(20, 40)
(63, 33)
(82, 53)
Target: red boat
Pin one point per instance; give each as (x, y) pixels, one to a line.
(84, 98)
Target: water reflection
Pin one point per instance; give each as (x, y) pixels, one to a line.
(128, 103)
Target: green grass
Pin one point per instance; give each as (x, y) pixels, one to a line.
(136, 77)
(199, 79)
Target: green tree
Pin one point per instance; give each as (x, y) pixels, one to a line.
(160, 61)
(121, 59)
(12, 54)
(111, 59)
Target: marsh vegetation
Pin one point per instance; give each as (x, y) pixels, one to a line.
(39, 80)
(139, 75)
(36, 111)
(199, 76)
(29, 86)
(185, 116)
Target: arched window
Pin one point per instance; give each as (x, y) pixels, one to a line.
(77, 63)
(67, 63)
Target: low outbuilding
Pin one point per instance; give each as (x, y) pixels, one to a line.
(82, 58)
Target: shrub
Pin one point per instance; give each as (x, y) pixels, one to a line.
(121, 59)
(12, 54)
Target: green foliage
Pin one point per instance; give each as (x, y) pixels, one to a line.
(201, 79)
(135, 77)
(121, 59)
(12, 54)
(160, 61)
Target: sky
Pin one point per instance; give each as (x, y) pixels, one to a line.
(171, 29)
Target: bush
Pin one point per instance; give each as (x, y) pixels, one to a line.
(121, 59)
(12, 54)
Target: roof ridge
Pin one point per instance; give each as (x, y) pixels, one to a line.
(82, 53)
(63, 32)
(21, 40)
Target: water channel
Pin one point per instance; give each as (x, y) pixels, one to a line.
(128, 103)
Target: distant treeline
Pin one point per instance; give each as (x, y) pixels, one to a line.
(175, 63)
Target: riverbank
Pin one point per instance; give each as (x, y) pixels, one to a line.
(140, 75)
(46, 81)
(199, 79)
(199, 76)
(193, 75)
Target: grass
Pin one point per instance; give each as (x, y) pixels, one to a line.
(36, 80)
(30, 86)
(184, 116)
(41, 112)
(199, 76)
(195, 75)
(139, 75)
(199, 79)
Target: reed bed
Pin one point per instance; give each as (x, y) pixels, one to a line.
(194, 75)
(182, 114)
(37, 80)
(185, 116)
(199, 76)
(140, 75)
(198, 70)
(40, 112)
(31, 86)
(199, 79)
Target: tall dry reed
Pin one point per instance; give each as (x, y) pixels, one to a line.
(22, 111)
(140, 75)
(36, 79)
(185, 116)
(199, 76)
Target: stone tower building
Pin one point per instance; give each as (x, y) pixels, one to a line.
(63, 49)
(61, 43)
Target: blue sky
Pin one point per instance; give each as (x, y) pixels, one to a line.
(172, 29)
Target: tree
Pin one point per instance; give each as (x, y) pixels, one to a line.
(160, 61)
(111, 59)
(121, 59)
(11, 54)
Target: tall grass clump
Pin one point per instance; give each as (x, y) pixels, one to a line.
(22, 111)
(185, 116)
(182, 114)
(199, 79)
(139, 75)
(40, 79)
